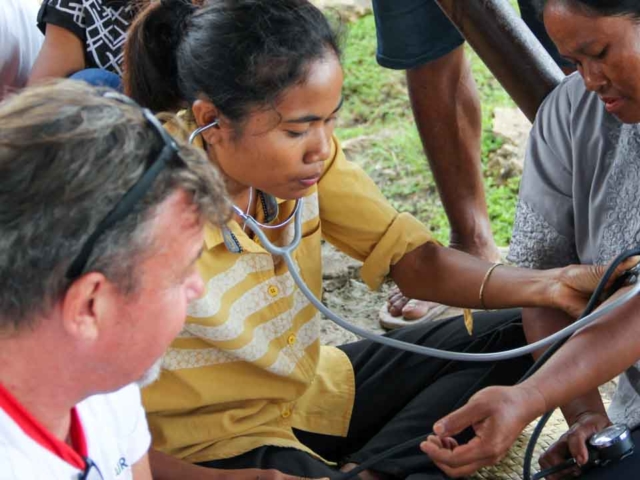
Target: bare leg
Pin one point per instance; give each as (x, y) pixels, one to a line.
(446, 108)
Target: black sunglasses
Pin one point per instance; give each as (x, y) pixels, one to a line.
(125, 206)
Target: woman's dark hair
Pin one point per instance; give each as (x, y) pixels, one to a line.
(238, 54)
(605, 8)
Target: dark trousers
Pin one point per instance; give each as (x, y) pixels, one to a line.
(400, 395)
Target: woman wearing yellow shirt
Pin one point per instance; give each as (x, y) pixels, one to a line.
(247, 383)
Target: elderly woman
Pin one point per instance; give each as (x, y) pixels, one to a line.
(579, 203)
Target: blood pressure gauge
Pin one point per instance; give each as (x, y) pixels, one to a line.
(611, 444)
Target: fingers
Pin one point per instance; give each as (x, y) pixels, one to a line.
(493, 418)
(555, 455)
(456, 422)
(462, 460)
(620, 269)
(628, 264)
(449, 442)
(573, 444)
(577, 443)
(473, 412)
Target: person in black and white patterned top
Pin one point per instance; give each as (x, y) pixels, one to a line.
(84, 39)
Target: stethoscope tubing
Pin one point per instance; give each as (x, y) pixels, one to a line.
(286, 251)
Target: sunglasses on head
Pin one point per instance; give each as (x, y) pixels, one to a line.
(127, 203)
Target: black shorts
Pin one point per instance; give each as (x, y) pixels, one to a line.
(411, 33)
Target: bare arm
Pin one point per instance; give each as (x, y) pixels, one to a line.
(61, 55)
(592, 356)
(446, 107)
(585, 414)
(541, 322)
(445, 275)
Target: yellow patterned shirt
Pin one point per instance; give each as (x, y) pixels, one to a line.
(248, 365)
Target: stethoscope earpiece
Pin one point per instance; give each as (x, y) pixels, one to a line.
(199, 130)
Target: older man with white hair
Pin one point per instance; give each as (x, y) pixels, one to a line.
(101, 222)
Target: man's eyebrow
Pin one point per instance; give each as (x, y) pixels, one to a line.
(313, 118)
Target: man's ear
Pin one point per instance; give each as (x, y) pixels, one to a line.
(85, 305)
(205, 113)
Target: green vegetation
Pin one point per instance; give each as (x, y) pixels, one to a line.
(377, 125)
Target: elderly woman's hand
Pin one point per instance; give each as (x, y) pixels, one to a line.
(573, 443)
(575, 283)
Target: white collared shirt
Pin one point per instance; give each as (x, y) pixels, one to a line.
(116, 434)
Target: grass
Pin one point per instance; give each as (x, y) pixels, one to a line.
(377, 111)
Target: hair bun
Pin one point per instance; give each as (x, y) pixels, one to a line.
(177, 4)
(181, 9)
(151, 53)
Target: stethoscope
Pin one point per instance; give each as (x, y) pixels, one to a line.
(286, 251)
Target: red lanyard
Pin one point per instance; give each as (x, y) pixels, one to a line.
(73, 454)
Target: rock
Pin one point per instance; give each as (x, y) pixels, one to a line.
(332, 334)
(364, 142)
(511, 124)
(338, 266)
(358, 143)
(508, 161)
(505, 163)
(350, 10)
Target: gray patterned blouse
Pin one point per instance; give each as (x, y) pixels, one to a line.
(580, 198)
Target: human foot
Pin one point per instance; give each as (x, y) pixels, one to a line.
(400, 310)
